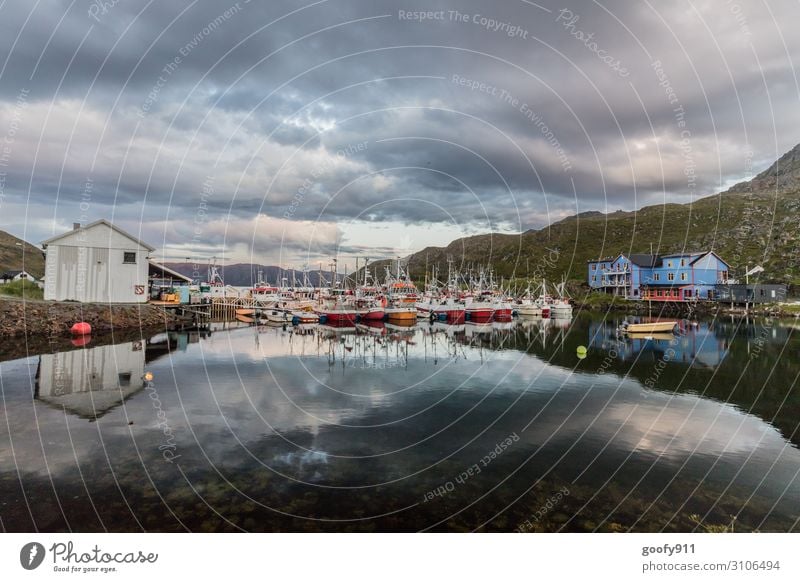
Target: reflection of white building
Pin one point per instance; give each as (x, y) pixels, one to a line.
(96, 263)
(90, 381)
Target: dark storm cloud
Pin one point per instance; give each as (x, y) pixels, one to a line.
(508, 115)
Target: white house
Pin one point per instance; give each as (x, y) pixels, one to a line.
(10, 276)
(99, 262)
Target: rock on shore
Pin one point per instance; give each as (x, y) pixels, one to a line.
(55, 318)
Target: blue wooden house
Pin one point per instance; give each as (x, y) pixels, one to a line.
(689, 276)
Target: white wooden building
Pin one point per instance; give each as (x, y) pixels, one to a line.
(99, 262)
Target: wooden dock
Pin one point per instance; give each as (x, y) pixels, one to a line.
(213, 309)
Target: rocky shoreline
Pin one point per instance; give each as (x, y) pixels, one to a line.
(687, 309)
(53, 319)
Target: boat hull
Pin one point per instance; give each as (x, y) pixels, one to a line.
(503, 314)
(372, 315)
(334, 317)
(483, 314)
(659, 326)
(402, 315)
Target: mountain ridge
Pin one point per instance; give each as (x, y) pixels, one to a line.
(754, 222)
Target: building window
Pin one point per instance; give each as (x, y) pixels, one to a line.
(594, 267)
(671, 276)
(129, 258)
(594, 278)
(724, 275)
(683, 276)
(761, 292)
(669, 263)
(683, 262)
(656, 277)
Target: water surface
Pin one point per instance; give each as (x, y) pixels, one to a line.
(448, 428)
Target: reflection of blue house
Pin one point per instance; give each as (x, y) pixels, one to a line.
(697, 346)
(675, 277)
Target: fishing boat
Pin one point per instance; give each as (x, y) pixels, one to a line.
(336, 306)
(265, 295)
(532, 308)
(337, 313)
(368, 299)
(645, 328)
(503, 310)
(401, 296)
(560, 306)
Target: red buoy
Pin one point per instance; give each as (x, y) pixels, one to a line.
(81, 328)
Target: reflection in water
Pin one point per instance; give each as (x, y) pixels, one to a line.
(328, 428)
(90, 382)
(695, 344)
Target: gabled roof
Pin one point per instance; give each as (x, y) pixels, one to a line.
(93, 224)
(705, 254)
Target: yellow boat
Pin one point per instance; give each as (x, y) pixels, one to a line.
(653, 327)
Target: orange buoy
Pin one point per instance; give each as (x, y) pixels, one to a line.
(81, 328)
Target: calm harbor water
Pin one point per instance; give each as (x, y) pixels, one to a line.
(499, 427)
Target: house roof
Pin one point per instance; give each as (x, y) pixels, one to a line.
(701, 255)
(687, 254)
(158, 270)
(643, 260)
(93, 224)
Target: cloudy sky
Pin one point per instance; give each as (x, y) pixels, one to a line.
(290, 131)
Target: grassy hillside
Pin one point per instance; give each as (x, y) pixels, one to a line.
(16, 254)
(755, 222)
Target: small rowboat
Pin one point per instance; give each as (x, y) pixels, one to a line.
(653, 327)
(245, 311)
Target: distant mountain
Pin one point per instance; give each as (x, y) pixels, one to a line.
(782, 176)
(754, 223)
(18, 255)
(246, 274)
